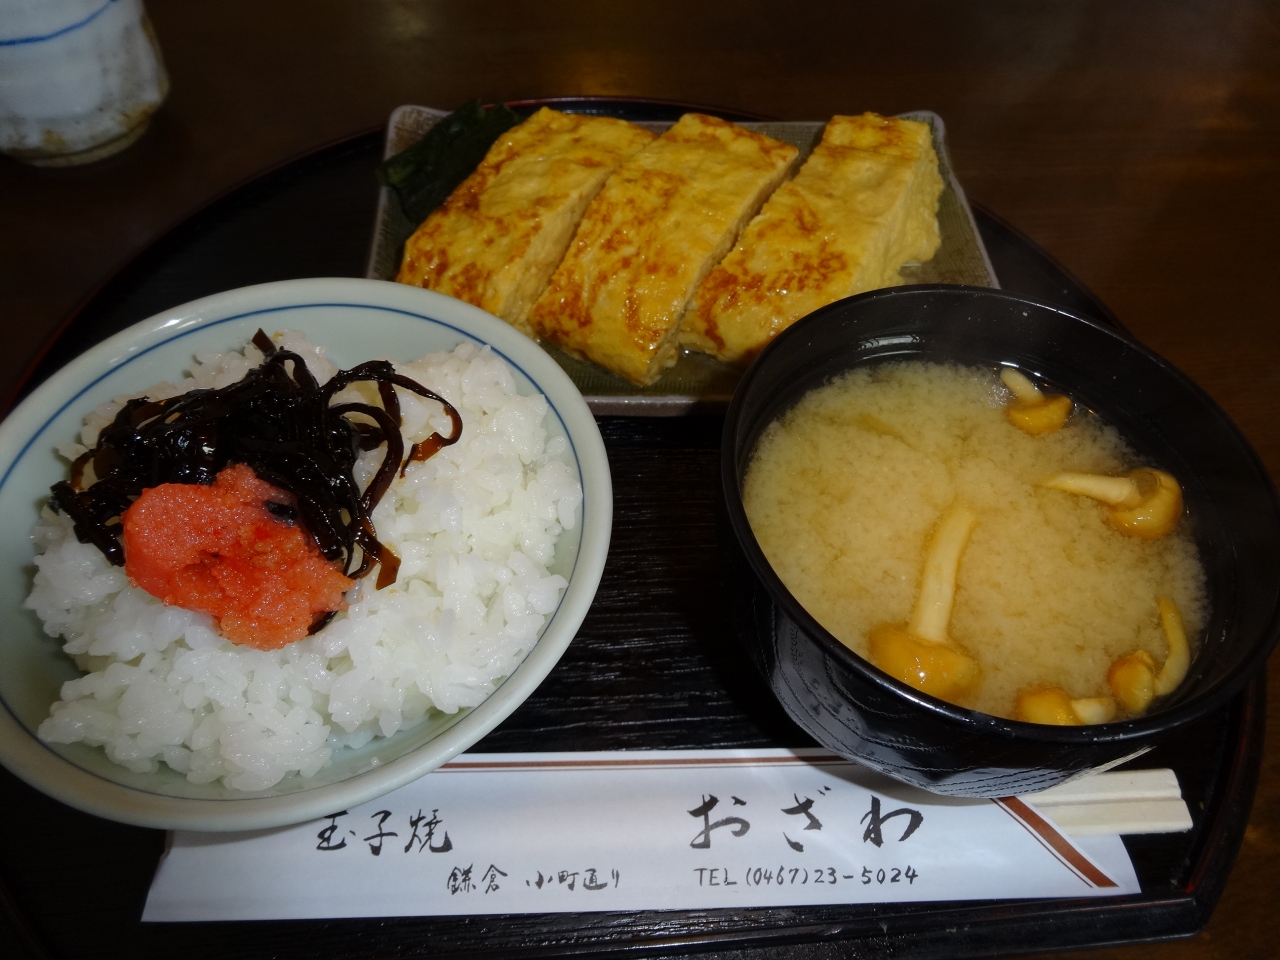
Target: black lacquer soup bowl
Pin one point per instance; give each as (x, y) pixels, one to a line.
(851, 707)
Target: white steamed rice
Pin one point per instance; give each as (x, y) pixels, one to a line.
(475, 527)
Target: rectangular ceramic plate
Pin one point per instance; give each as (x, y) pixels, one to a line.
(696, 382)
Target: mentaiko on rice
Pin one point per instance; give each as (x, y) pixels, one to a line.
(474, 527)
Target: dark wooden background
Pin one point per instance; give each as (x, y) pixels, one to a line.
(1138, 142)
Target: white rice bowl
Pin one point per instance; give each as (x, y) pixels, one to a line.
(357, 320)
(475, 528)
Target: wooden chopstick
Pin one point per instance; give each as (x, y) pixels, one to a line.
(1124, 802)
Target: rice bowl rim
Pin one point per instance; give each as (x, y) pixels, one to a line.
(47, 769)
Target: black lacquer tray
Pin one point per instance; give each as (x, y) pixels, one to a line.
(654, 667)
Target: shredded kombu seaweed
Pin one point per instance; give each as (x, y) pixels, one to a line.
(280, 422)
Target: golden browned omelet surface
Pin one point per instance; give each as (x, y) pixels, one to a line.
(497, 239)
(660, 222)
(864, 203)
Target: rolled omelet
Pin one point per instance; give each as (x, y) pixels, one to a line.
(659, 224)
(497, 239)
(863, 204)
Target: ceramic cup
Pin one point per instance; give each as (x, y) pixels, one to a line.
(79, 79)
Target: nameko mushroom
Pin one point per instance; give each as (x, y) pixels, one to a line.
(1146, 503)
(921, 653)
(1030, 409)
(1134, 679)
(1054, 705)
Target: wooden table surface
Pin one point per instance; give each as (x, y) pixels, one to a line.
(1138, 143)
